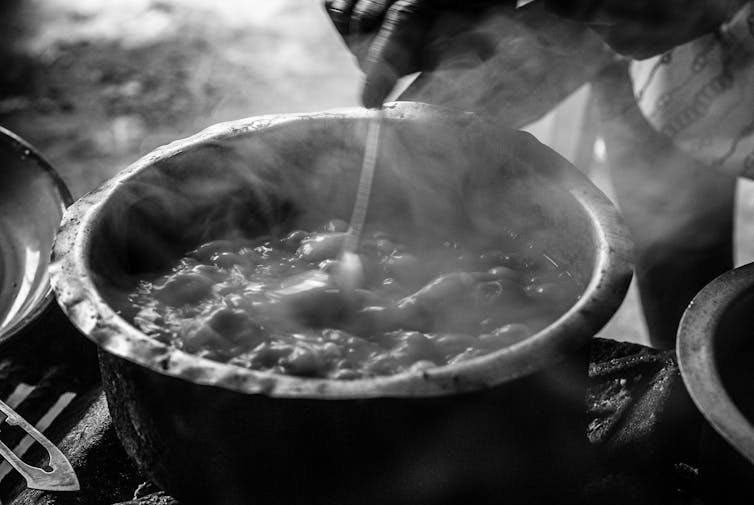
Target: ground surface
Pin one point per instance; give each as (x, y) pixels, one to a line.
(94, 84)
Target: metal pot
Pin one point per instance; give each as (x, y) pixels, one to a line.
(716, 356)
(508, 425)
(32, 201)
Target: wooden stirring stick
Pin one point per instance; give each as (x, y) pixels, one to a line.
(301, 289)
(350, 272)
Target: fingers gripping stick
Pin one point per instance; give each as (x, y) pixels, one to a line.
(393, 53)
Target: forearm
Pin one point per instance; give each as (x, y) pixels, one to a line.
(480, 51)
(538, 60)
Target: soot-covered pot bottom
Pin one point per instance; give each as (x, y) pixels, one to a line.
(272, 303)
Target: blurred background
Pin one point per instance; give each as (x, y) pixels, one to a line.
(95, 84)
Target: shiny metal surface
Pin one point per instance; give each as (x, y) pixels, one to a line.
(32, 201)
(58, 474)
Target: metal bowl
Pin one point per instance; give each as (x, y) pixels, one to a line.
(716, 356)
(488, 428)
(32, 201)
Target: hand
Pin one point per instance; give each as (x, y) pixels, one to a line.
(393, 38)
(483, 57)
(644, 28)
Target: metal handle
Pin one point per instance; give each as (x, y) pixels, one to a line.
(60, 477)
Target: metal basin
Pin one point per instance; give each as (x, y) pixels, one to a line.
(494, 427)
(32, 201)
(716, 356)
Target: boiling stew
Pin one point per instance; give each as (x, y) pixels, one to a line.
(271, 303)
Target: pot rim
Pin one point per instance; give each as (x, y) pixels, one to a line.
(81, 301)
(27, 151)
(697, 357)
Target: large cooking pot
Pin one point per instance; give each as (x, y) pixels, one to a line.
(716, 356)
(508, 425)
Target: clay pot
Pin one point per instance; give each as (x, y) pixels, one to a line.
(716, 356)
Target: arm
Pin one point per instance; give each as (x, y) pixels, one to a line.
(641, 29)
(393, 38)
(484, 57)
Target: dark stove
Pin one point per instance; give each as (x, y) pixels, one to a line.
(642, 427)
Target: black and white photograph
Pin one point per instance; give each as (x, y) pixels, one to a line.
(376, 252)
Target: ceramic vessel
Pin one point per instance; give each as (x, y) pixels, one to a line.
(716, 356)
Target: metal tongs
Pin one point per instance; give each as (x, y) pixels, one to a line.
(350, 272)
(59, 475)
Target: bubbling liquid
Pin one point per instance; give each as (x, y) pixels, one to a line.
(258, 303)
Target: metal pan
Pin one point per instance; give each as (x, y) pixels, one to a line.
(33, 198)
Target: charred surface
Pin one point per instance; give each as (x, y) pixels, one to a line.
(627, 382)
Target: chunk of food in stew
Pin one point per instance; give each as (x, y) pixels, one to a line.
(272, 304)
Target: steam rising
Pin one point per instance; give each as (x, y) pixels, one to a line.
(435, 179)
(679, 211)
(451, 177)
